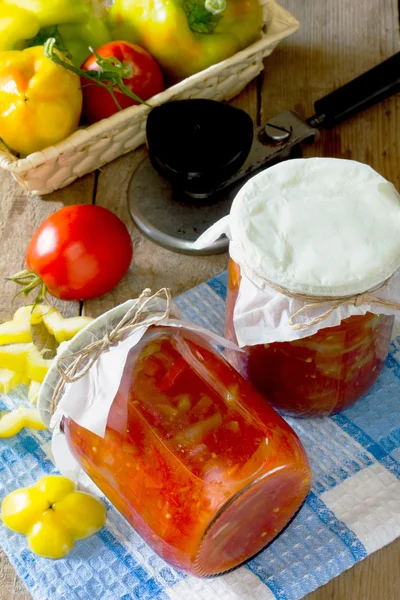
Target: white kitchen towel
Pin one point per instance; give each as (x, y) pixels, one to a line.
(352, 510)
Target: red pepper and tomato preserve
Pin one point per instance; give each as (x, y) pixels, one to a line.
(317, 375)
(194, 458)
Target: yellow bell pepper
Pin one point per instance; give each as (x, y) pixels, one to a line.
(12, 422)
(187, 36)
(24, 359)
(16, 25)
(52, 514)
(40, 102)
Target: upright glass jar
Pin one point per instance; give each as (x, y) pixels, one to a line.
(317, 375)
(313, 283)
(193, 457)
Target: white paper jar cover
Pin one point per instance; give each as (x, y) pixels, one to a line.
(88, 400)
(319, 227)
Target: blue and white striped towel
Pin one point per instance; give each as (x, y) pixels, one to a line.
(352, 511)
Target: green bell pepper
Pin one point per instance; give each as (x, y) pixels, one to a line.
(16, 25)
(79, 38)
(71, 22)
(54, 12)
(187, 36)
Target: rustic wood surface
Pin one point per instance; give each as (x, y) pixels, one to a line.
(338, 39)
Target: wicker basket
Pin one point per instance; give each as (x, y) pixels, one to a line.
(89, 148)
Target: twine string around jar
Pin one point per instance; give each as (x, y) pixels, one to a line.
(334, 302)
(84, 359)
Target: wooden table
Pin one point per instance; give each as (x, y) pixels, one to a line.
(338, 39)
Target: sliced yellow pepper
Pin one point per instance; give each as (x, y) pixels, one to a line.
(18, 330)
(33, 392)
(52, 514)
(12, 422)
(14, 356)
(24, 359)
(63, 329)
(20, 360)
(31, 313)
(9, 380)
(36, 365)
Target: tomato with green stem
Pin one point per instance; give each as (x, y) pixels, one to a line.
(77, 253)
(116, 76)
(139, 72)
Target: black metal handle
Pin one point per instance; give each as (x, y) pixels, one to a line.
(375, 85)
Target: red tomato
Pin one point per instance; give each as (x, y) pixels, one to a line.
(80, 252)
(145, 80)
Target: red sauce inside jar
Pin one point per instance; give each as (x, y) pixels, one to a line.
(194, 458)
(317, 375)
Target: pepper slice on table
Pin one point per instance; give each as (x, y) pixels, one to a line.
(187, 36)
(40, 102)
(52, 514)
(12, 422)
(9, 380)
(24, 359)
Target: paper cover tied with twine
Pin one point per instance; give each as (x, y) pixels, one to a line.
(317, 241)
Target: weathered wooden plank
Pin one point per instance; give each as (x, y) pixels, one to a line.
(11, 587)
(337, 41)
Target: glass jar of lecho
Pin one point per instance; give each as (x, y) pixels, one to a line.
(317, 375)
(198, 463)
(313, 282)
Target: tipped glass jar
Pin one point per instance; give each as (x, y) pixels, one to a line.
(193, 457)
